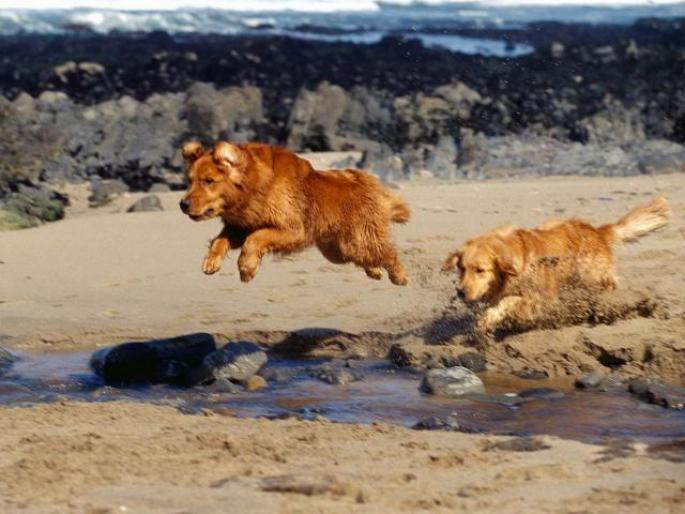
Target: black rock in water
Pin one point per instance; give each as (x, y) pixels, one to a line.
(159, 361)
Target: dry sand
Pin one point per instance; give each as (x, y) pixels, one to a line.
(104, 276)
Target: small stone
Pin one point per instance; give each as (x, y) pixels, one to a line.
(146, 203)
(254, 383)
(590, 380)
(236, 361)
(454, 381)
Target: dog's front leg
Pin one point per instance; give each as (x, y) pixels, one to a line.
(267, 240)
(228, 238)
(493, 316)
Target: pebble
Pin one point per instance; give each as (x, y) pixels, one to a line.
(254, 383)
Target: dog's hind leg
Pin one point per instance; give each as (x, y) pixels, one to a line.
(391, 262)
(267, 240)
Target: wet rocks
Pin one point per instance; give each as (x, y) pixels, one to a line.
(146, 203)
(236, 361)
(172, 360)
(454, 381)
(657, 392)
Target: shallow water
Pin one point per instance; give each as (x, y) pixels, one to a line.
(383, 394)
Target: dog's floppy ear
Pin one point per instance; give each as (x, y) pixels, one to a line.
(230, 159)
(192, 150)
(508, 260)
(452, 261)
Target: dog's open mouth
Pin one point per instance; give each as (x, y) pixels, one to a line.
(209, 213)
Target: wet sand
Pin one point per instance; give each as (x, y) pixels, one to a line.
(104, 276)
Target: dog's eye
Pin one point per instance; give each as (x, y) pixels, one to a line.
(480, 270)
(208, 181)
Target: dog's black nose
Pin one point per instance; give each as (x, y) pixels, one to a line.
(460, 294)
(184, 204)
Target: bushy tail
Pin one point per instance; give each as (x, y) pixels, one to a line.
(399, 210)
(638, 222)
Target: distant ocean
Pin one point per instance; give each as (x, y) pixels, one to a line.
(357, 21)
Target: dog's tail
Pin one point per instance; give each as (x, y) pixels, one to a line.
(638, 222)
(399, 210)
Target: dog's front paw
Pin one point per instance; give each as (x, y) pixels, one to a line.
(248, 266)
(211, 264)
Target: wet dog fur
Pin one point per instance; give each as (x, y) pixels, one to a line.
(272, 201)
(515, 273)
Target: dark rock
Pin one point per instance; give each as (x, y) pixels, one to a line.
(82, 80)
(531, 374)
(455, 381)
(658, 393)
(591, 380)
(104, 191)
(519, 444)
(447, 423)
(541, 393)
(236, 361)
(163, 360)
(146, 203)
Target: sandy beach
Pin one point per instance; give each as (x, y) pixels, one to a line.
(104, 276)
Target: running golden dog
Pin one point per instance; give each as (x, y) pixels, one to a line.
(516, 272)
(272, 201)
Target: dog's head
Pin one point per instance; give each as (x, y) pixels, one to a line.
(485, 264)
(215, 179)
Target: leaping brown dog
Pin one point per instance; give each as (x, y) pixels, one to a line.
(515, 273)
(272, 201)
